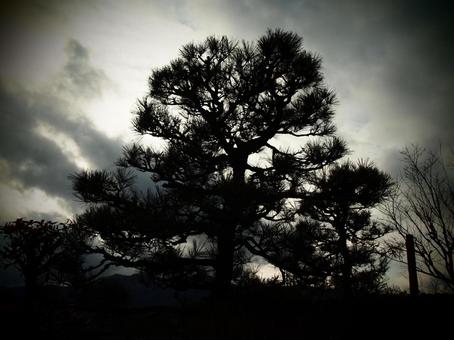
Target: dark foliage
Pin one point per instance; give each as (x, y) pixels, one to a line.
(335, 241)
(46, 252)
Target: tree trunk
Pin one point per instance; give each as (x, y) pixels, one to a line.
(346, 264)
(234, 206)
(224, 261)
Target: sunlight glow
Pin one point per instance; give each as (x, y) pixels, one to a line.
(111, 114)
(16, 203)
(66, 144)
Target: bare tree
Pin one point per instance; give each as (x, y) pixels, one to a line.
(423, 205)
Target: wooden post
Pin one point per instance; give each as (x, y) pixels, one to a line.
(411, 260)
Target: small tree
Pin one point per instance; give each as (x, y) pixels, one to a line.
(343, 201)
(44, 252)
(335, 241)
(33, 248)
(222, 109)
(423, 206)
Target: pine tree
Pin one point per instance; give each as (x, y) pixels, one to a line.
(243, 125)
(340, 237)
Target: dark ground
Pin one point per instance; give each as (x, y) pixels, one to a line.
(254, 313)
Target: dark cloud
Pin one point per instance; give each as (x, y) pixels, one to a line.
(30, 158)
(79, 78)
(391, 63)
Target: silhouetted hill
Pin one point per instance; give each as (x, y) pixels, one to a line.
(130, 289)
(141, 295)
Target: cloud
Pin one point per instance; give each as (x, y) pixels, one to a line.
(45, 136)
(79, 78)
(391, 64)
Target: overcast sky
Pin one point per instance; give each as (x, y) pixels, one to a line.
(71, 71)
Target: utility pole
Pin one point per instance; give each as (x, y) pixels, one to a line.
(411, 260)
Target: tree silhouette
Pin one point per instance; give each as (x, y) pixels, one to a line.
(244, 125)
(46, 252)
(32, 247)
(343, 199)
(423, 206)
(334, 243)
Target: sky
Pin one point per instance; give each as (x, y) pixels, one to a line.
(71, 73)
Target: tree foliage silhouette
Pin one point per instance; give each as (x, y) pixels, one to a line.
(334, 243)
(244, 125)
(423, 206)
(46, 252)
(33, 248)
(342, 203)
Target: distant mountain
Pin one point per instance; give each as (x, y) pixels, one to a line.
(127, 291)
(141, 295)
